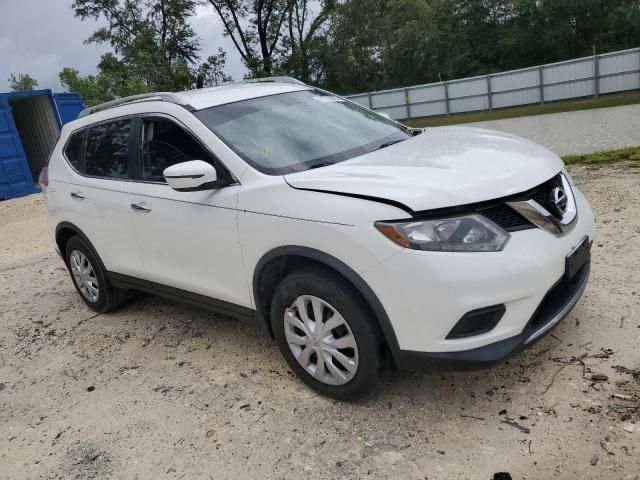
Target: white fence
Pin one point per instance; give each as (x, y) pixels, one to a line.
(581, 77)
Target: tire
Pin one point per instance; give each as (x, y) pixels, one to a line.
(308, 288)
(100, 295)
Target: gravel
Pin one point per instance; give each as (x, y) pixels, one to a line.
(183, 393)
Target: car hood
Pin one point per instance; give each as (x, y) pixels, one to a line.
(442, 167)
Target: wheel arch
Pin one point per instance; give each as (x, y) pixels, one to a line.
(66, 230)
(277, 262)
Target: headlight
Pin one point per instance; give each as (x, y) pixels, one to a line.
(468, 233)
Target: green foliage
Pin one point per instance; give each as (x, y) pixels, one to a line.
(601, 158)
(352, 46)
(376, 44)
(305, 39)
(164, 23)
(114, 80)
(154, 46)
(92, 90)
(211, 72)
(22, 82)
(255, 27)
(154, 64)
(350, 53)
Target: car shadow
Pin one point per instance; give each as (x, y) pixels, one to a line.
(249, 348)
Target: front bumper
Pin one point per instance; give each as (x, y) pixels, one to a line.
(426, 293)
(556, 305)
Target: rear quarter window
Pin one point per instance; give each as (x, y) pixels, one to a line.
(73, 149)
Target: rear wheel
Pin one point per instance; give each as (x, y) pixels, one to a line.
(90, 277)
(327, 335)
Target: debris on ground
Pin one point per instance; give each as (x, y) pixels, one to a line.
(604, 353)
(629, 371)
(628, 427)
(515, 424)
(620, 396)
(86, 461)
(474, 417)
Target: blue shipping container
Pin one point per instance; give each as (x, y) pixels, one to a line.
(30, 124)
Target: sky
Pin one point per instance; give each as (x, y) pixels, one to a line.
(41, 37)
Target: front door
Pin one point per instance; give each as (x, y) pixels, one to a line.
(188, 240)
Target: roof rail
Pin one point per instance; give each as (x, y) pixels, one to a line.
(143, 97)
(274, 79)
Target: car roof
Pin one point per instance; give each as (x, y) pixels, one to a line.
(192, 100)
(235, 92)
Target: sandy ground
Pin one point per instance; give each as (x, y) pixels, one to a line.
(159, 390)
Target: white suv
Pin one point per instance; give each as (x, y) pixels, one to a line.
(359, 244)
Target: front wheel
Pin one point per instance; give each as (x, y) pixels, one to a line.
(328, 336)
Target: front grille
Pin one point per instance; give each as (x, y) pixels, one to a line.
(541, 193)
(506, 217)
(498, 211)
(502, 214)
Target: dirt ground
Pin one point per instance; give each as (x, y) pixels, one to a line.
(159, 390)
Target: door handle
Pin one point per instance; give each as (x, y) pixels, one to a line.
(140, 207)
(77, 196)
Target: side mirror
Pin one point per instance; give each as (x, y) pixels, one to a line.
(191, 176)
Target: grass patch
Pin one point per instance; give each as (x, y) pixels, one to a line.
(605, 101)
(631, 155)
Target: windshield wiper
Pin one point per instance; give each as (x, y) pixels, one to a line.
(388, 144)
(321, 164)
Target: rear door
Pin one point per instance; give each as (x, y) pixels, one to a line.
(95, 196)
(188, 240)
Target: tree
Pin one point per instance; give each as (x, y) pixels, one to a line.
(152, 39)
(622, 26)
(351, 45)
(211, 72)
(351, 49)
(255, 27)
(112, 81)
(305, 37)
(93, 89)
(21, 82)
(374, 44)
(165, 20)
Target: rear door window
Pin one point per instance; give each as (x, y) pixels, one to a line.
(107, 151)
(164, 143)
